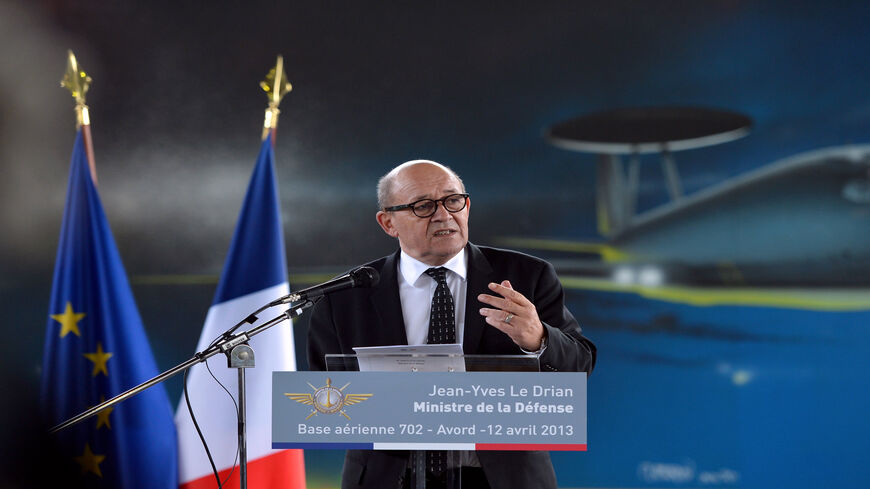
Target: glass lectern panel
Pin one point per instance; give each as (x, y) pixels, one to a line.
(471, 363)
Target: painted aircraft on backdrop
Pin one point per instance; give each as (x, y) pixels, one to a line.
(793, 233)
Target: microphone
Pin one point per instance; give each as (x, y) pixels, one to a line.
(360, 277)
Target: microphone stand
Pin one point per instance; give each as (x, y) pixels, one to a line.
(239, 355)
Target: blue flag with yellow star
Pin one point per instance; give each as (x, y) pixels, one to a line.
(96, 348)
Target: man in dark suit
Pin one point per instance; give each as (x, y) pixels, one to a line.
(423, 204)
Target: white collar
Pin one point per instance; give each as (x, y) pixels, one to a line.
(411, 268)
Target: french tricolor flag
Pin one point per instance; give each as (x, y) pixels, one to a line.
(255, 273)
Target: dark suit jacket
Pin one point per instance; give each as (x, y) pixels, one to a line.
(373, 317)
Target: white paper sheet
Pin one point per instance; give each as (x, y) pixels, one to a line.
(411, 358)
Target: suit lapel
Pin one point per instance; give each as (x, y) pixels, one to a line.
(479, 276)
(385, 300)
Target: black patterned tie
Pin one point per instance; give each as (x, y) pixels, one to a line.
(442, 329)
(442, 320)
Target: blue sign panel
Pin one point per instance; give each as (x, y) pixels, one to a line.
(429, 410)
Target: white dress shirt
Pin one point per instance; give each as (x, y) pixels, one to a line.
(416, 290)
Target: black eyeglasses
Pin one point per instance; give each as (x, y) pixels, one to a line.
(427, 207)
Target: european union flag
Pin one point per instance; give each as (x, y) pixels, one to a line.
(96, 348)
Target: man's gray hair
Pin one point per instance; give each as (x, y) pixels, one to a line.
(387, 182)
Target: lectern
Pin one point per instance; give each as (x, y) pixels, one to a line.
(417, 469)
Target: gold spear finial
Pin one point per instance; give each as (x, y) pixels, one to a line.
(77, 82)
(276, 86)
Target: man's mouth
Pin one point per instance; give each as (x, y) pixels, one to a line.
(443, 232)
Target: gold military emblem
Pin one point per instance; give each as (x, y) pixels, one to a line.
(327, 399)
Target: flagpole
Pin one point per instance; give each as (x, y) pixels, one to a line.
(242, 356)
(77, 82)
(276, 86)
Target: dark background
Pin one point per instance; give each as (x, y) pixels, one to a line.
(176, 115)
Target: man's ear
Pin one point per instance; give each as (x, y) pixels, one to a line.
(385, 219)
